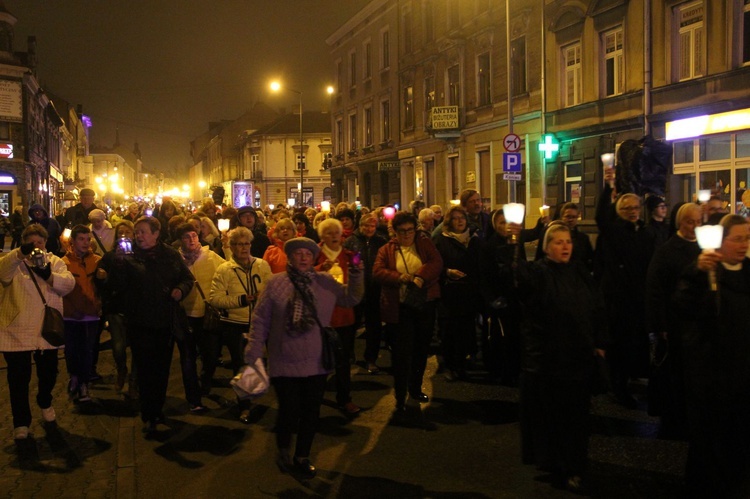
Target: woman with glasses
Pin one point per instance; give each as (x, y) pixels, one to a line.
(235, 288)
(406, 261)
(459, 291)
(715, 337)
(624, 250)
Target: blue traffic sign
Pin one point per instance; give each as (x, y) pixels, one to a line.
(511, 161)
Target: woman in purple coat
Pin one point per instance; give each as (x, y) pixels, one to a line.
(284, 322)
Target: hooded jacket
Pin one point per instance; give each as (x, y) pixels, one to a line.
(52, 227)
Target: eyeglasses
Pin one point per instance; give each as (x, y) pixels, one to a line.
(405, 232)
(738, 239)
(240, 244)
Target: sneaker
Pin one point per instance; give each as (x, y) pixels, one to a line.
(197, 409)
(21, 432)
(48, 414)
(372, 368)
(350, 408)
(83, 393)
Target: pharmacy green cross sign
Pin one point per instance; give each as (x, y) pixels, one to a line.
(549, 146)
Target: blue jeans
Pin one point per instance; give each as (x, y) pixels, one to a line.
(81, 337)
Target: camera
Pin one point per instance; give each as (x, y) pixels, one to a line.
(38, 258)
(125, 246)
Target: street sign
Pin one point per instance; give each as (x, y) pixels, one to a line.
(512, 162)
(512, 142)
(511, 176)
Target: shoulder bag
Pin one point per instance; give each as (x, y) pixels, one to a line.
(333, 349)
(212, 317)
(53, 326)
(412, 296)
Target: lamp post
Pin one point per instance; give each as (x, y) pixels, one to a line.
(276, 87)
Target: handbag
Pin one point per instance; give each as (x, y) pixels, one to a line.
(212, 316)
(252, 381)
(333, 349)
(412, 296)
(53, 325)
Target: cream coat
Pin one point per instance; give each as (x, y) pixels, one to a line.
(22, 312)
(203, 269)
(227, 292)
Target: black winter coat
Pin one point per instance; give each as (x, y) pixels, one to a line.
(459, 297)
(145, 281)
(564, 319)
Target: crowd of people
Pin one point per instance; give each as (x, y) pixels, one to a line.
(563, 323)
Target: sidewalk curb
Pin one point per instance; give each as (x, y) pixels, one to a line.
(126, 478)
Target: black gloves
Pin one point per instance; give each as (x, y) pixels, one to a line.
(27, 248)
(45, 272)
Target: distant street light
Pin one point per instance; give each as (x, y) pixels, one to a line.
(276, 87)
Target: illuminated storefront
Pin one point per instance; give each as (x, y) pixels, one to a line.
(712, 153)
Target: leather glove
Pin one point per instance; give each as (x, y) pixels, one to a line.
(45, 272)
(27, 248)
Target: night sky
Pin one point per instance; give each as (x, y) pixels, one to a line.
(160, 70)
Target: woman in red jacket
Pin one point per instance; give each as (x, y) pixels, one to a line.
(408, 258)
(335, 260)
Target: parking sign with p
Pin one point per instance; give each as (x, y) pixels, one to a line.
(511, 161)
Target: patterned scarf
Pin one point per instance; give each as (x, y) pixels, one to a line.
(300, 318)
(190, 257)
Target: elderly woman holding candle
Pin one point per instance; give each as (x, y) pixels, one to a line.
(563, 330)
(623, 253)
(713, 298)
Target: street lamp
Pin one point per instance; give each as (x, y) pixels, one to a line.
(276, 87)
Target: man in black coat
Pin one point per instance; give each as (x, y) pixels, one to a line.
(79, 214)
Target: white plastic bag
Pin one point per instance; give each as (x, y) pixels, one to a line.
(252, 381)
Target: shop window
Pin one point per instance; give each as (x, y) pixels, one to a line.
(742, 149)
(715, 147)
(683, 152)
(718, 182)
(742, 198)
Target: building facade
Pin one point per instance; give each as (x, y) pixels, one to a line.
(571, 79)
(280, 156)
